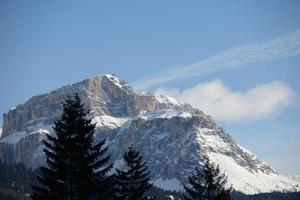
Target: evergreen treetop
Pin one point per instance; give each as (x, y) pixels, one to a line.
(76, 167)
(207, 184)
(133, 182)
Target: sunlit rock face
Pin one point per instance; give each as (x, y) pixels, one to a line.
(172, 137)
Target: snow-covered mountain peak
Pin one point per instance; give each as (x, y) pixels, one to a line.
(173, 137)
(114, 79)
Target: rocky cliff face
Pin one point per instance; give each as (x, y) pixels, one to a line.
(171, 136)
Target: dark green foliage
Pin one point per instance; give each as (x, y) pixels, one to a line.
(132, 183)
(76, 167)
(207, 184)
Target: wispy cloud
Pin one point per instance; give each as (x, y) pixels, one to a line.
(282, 47)
(224, 104)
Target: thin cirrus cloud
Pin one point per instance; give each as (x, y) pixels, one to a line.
(219, 101)
(282, 47)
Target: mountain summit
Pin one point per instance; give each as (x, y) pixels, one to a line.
(173, 137)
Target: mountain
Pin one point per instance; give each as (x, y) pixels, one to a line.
(173, 137)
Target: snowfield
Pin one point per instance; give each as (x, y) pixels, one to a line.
(252, 182)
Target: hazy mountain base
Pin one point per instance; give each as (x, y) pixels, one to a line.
(16, 180)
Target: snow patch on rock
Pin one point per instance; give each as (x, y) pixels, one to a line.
(167, 100)
(164, 114)
(115, 80)
(16, 136)
(109, 121)
(212, 140)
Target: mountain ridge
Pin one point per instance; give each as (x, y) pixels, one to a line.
(173, 137)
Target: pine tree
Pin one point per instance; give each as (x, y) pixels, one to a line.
(207, 184)
(77, 166)
(134, 181)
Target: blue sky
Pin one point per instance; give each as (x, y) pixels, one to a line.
(245, 53)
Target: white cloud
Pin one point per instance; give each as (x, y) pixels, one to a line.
(219, 101)
(282, 47)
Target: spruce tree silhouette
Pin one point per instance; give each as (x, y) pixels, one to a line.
(133, 182)
(76, 167)
(207, 184)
